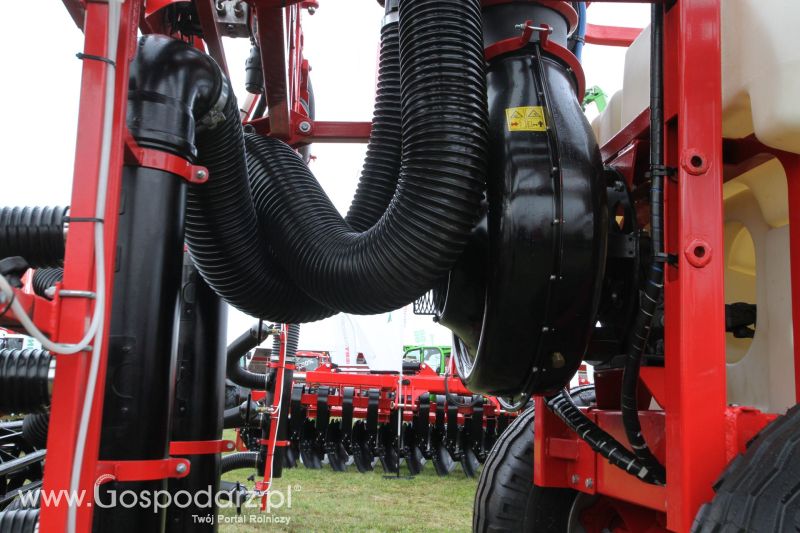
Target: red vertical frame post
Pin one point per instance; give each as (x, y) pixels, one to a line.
(791, 165)
(72, 370)
(694, 305)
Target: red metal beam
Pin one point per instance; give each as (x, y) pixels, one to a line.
(71, 378)
(76, 10)
(211, 34)
(611, 35)
(272, 39)
(695, 347)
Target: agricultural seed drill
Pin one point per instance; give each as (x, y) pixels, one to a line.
(656, 245)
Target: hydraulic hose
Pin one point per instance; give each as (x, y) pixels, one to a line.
(601, 442)
(238, 461)
(25, 380)
(35, 233)
(654, 284)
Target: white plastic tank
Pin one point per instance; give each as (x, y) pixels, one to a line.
(760, 92)
(760, 74)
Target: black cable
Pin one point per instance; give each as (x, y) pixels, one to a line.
(654, 285)
(601, 442)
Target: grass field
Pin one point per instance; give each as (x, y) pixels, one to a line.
(328, 501)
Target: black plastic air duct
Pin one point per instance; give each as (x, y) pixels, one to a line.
(35, 233)
(19, 521)
(522, 301)
(238, 349)
(199, 397)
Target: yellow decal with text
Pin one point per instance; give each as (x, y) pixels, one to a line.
(528, 118)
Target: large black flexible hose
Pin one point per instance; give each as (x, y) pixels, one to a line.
(24, 380)
(437, 199)
(34, 429)
(19, 521)
(238, 461)
(432, 211)
(222, 228)
(35, 233)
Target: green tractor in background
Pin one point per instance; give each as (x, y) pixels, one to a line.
(436, 357)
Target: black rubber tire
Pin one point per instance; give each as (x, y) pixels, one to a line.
(759, 492)
(506, 499)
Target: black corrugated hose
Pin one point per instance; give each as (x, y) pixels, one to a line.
(34, 233)
(19, 521)
(24, 380)
(44, 278)
(237, 461)
(439, 191)
(34, 429)
(222, 229)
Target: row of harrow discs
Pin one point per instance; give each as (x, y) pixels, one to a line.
(346, 417)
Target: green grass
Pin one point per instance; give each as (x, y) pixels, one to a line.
(328, 501)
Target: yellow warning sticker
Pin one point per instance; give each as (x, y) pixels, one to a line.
(528, 118)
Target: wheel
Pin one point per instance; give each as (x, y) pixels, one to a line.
(506, 498)
(759, 491)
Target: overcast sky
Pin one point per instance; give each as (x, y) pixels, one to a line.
(42, 81)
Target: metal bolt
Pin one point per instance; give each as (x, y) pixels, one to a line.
(229, 446)
(180, 468)
(589, 483)
(575, 479)
(305, 126)
(201, 174)
(312, 10)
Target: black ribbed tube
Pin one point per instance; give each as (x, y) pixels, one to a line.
(24, 381)
(240, 460)
(222, 230)
(562, 406)
(35, 233)
(34, 429)
(654, 284)
(435, 205)
(382, 164)
(44, 278)
(19, 521)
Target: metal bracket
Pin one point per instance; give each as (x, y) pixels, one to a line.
(145, 470)
(149, 158)
(201, 447)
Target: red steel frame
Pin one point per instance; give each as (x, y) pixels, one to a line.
(696, 434)
(690, 435)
